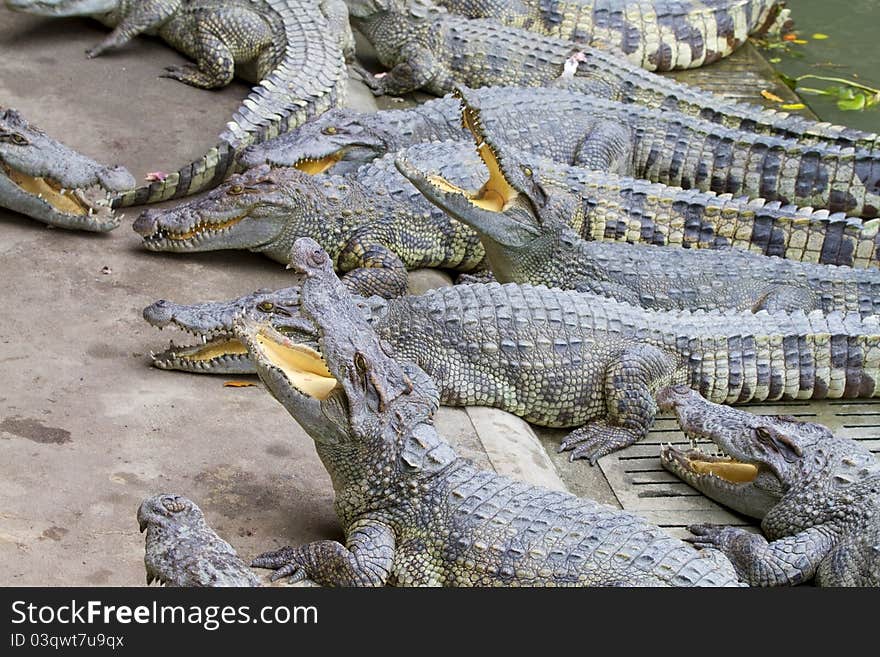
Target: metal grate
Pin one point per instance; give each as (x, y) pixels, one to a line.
(642, 485)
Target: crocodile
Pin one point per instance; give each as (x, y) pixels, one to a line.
(373, 237)
(665, 147)
(817, 494)
(631, 210)
(50, 182)
(658, 35)
(437, 52)
(283, 45)
(180, 549)
(525, 230)
(414, 513)
(562, 358)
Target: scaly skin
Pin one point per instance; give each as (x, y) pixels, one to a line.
(568, 359)
(285, 46)
(49, 182)
(666, 147)
(373, 238)
(413, 512)
(180, 549)
(818, 494)
(438, 52)
(615, 208)
(658, 35)
(525, 229)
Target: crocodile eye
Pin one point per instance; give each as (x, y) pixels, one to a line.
(360, 362)
(18, 139)
(235, 190)
(329, 130)
(527, 171)
(266, 306)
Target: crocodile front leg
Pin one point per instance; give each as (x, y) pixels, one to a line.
(372, 268)
(215, 68)
(365, 560)
(786, 562)
(416, 69)
(630, 383)
(143, 16)
(608, 147)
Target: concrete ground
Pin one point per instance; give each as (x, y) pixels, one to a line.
(87, 427)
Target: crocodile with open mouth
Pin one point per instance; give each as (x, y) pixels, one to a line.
(373, 237)
(526, 230)
(658, 35)
(817, 494)
(414, 513)
(287, 47)
(562, 358)
(52, 183)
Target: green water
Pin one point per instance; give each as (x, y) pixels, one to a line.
(852, 50)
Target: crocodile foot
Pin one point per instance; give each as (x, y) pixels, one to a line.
(191, 75)
(714, 536)
(596, 439)
(284, 561)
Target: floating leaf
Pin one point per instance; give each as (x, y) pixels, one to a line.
(819, 36)
(794, 106)
(855, 103)
(771, 96)
(799, 41)
(238, 384)
(775, 60)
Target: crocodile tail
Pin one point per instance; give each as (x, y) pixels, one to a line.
(309, 79)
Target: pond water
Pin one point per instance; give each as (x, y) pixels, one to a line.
(850, 51)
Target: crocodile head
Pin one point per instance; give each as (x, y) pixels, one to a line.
(60, 8)
(339, 141)
(48, 181)
(766, 462)
(518, 219)
(248, 211)
(218, 350)
(364, 410)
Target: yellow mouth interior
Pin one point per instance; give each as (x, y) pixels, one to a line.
(496, 194)
(732, 471)
(314, 167)
(205, 227)
(65, 202)
(215, 350)
(302, 365)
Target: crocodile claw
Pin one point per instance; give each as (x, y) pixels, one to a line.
(597, 439)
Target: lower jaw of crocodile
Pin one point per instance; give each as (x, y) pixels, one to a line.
(219, 353)
(166, 240)
(700, 464)
(86, 207)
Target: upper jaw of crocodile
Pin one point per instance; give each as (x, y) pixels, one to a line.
(61, 8)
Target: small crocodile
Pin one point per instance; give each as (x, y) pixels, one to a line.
(666, 147)
(414, 513)
(818, 494)
(283, 45)
(52, 183)
(525, 229)
(439, 52)
(373, 237)
(658, 35)
(562, 358)
(180, 549)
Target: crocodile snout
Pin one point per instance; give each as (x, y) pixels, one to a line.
(147, 223)
(160, 313)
